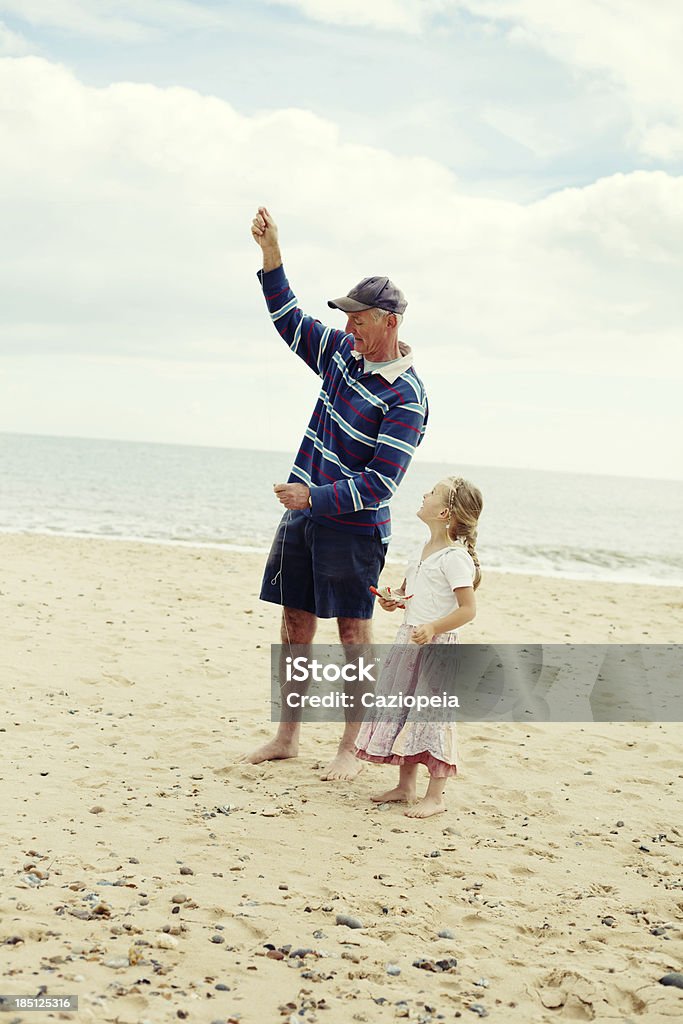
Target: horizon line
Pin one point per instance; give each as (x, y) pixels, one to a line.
(284, 451)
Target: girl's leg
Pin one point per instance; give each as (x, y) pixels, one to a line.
(432, 802)
(405, 791)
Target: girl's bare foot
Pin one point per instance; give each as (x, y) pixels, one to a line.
(397, 795)
(405, 791)
(426, 807)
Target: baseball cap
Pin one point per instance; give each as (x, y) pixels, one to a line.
(371, 293)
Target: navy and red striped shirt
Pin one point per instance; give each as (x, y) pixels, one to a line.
(364, 429)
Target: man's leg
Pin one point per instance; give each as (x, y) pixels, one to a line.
(298, 627)
(345, 765)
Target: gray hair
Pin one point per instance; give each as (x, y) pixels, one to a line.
(379, 314)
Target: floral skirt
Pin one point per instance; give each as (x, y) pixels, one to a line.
(401, 738)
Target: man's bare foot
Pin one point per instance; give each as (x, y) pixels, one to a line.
(426, 807)
(344, 767)
(397, 795)
(273, 750)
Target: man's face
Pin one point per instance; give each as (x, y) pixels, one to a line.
(370, 335)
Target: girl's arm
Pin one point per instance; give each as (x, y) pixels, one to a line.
(465, 612)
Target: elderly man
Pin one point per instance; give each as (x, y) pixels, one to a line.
(369, 418)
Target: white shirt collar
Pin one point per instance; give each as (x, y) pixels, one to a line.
(393, 370)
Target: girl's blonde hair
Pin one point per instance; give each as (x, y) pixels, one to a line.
(464, 502)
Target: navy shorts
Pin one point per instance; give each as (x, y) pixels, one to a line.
(322, 571)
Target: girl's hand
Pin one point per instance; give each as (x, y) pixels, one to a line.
(423, 634)
(389, 600)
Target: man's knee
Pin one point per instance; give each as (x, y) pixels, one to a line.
(298, 626)
(355, 631)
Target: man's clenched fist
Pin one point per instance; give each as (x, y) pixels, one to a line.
(264, 229)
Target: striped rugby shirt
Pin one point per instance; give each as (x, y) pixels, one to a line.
(365, 427)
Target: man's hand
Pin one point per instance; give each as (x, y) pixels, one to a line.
(292, 495)
(264, 229)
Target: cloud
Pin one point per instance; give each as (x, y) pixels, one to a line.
(126, 215)
(631, 46)
(626, 49)
(11, 43)
(391, 15)
(124, 20)
(634, 44)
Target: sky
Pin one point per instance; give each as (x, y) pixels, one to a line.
(515, 166)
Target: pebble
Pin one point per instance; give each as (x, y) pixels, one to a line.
(619, 824)
(611, 922)
(674, 978)
(284, 888)
(393, 969)
(97, 809)
(178, 898)
(348, 921)
(435, 853)
(299, 954)
(163, 941)
(478, 1008)
(221, 987)
(436, 966)
(217, 938)
(116, 962)
(319, 934)
(446, 933)
(657, 931)
(197, 776)
(185, 870)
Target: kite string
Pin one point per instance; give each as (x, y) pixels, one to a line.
(278, 577)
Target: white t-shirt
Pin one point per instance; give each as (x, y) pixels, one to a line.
(432, 581)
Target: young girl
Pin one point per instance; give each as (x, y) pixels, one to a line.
(439, 597)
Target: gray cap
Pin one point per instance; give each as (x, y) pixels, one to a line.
(371, 293)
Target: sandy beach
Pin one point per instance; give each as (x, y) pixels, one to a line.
(146, 871)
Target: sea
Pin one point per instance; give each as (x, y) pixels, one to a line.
(576, 526)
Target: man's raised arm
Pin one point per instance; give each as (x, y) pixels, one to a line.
(306, 337)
